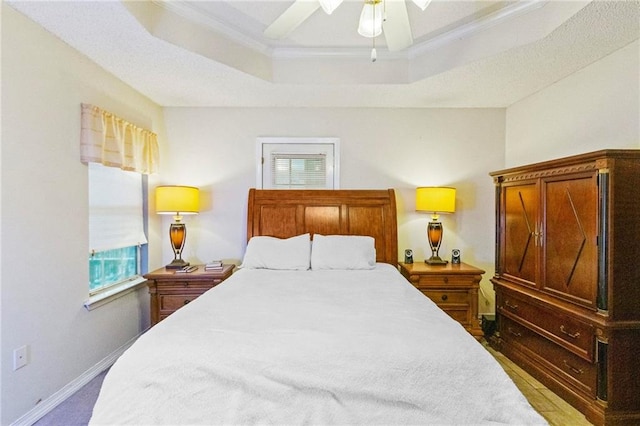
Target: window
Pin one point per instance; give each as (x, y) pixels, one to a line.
(117, 241)
(112, 267)
(298, 170)
(298, 163)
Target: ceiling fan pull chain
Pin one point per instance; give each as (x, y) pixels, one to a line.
(374, 54)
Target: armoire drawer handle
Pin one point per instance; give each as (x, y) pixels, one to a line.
(187, 301)
(510, 306)
(445, 279)
(515, 333)
(572, 368)
(444, 297)
(573, 336)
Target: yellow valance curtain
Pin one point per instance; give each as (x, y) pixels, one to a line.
(114, 142)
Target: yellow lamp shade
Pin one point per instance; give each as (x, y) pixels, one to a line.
(436, 199)
(177, 200)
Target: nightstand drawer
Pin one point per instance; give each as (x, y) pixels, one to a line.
(444, 280)
(170, 303)
(460, 315)
(446, 297)
(195, 283)
(184, 287)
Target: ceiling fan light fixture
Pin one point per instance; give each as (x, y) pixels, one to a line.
(422, 4)
(330, 5)
(370, 24)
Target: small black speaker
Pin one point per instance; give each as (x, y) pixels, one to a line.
(408, 256)
(455, 256)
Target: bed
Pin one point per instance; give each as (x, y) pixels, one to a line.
(322, 331)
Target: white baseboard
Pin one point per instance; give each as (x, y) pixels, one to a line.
(44, 407)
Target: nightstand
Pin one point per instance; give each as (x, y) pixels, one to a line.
(170, 290)
(453, 287)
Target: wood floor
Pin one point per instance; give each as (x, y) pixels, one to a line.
(553, 408)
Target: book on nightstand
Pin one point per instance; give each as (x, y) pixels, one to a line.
(214, 265)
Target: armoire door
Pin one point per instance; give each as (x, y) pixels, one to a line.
(519, 245)
(569, 234)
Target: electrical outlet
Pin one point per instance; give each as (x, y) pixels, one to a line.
(20, 357)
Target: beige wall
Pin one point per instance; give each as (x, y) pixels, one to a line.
(595, 108)
(45, 218)
(214, 149)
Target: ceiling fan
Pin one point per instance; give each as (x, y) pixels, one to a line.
(378, 16)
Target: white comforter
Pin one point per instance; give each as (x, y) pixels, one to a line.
(310, 347)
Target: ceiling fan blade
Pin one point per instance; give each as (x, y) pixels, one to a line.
(396, 28)
(422, 4)
(295, 15)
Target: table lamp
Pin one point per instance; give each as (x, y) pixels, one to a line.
(178, 201)
(435, 200)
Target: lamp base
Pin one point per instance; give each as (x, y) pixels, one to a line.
(435, 260)
(177, 264)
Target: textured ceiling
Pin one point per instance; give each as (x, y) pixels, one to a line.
(212, 53)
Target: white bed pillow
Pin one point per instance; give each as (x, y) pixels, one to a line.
(276, 253)
(343, 252)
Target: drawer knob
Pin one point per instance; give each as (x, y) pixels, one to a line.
(573, 336)
(446, 280)
(444, 297)
(572, 368)
(510, 306)
(187, 301)
(186, 284)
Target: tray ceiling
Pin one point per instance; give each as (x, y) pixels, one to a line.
(214, 53)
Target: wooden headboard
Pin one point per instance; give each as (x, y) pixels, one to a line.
(286, 213)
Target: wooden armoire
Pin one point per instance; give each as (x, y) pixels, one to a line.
(567, 278)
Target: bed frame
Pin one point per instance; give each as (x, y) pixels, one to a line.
(286, 213)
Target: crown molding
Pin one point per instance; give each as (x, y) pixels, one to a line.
(229, 31)
(334, 52)
(418, 49)
(464, 31)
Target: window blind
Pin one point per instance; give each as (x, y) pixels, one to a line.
(296, 170)
(115, 208)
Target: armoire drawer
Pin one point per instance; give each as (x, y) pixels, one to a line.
(572, 334)
(579, 373)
